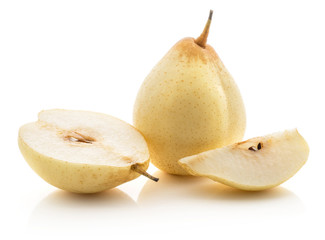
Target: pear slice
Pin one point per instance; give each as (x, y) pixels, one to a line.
(255, 164)
(83, 152)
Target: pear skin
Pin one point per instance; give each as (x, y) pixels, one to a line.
(189, 103)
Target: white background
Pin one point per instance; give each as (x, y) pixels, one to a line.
(94, 55)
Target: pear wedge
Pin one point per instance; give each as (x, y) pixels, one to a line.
(83, 152)
(256, 164)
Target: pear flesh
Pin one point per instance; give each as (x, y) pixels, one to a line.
(83, 152)
(256, 164)
(189, 103)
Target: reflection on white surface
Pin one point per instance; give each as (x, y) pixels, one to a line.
(201, 197)
(67, 212)
(175, 201)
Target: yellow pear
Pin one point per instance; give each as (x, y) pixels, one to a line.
(255, 164)
(83, 152)
(189, 103)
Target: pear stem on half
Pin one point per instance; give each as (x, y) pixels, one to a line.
(138, 169)
(202, 39)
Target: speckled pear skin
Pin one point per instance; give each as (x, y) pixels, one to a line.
(75, 177)
(189, 103)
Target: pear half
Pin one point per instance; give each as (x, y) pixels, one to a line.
(83, 152)
(255, 164)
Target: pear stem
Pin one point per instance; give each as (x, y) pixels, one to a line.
(202, 39)
(138, 169)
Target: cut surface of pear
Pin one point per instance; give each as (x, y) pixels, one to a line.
(83, 152)
(189, 103)
(255, 164)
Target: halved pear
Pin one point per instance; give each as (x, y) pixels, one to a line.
(83, 152)
(255, 164)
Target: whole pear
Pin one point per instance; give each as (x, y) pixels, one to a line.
(189, 103)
